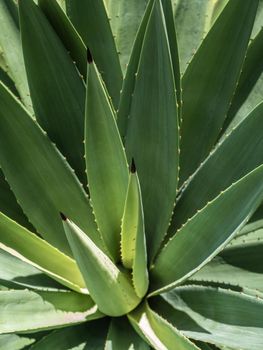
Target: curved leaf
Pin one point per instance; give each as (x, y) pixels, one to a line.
(101, 274)
(46, 184)
(153, 108)
(15, 342)
(24, 310)
(106, 162)
(90, 19)
(57, 90)
(207, 232)
(206, 91)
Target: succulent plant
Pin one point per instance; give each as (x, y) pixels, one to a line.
(149, 234)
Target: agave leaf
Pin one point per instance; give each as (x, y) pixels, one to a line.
(106, 162)
(191, 21)
(230, 274)
(31, 249)
(207, 232)
(101, 274)
(153, 108)
(12, 52)
(121, 336)
(90, 336)
(235, 320)
(157, 331)
(247, 94)
(129, 81)
(9, 205)
(45, 184)
(67, 33)
(18, 274)
(90, 19)
(15, 342)
(125, 18)
(7, 81)
(220, 55)
(57, 90)
(246, 139)
(133, 244)
(24, 310)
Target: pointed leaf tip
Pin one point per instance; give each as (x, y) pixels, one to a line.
(89, 56)
(133, 166)
(63, 216)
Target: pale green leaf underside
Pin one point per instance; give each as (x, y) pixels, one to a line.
(15, 342)
(28, 247)
(207, 232)
(23, 310)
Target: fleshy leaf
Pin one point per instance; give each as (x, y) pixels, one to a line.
(157, 331)
(133, 243)
(106, 162)
(101, 274)
(153, 108)
(57, 90)
(206, 91)
(45, 184)
(28, 247)
(24, 310)
(207, 232)
(90, 19)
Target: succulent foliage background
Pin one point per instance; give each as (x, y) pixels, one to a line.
(149, 234)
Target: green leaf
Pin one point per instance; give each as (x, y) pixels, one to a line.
(66, 32)
(121, 336)
(9, 205)
(210, 179)
(29, 248)
(45, 184)
(157, 331)
(123, 113)
(24, 310)
(7, 81)
(133, 243)
(125, 18)
(247, 95)
(207, 232)
(157, 164)
(220, 272)
(90, 336)
(106, 162)
(90, 19)
(12, 52)
(234, 320)
(57, 90)
(191, 21)
(101, 274)
(15, 342)
(18, 274)
(206, 91)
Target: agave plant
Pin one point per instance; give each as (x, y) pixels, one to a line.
(122, 241)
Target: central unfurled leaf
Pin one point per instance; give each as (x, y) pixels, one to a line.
(157, 331)
(110, 287)
(57, 90)
(107, 167)
(152, 136)
(133, 244)
(210, 80)
(24, 310)
(207, 232)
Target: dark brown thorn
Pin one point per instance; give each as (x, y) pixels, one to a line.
(63, 217)
(133, 167)
(89, 56)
